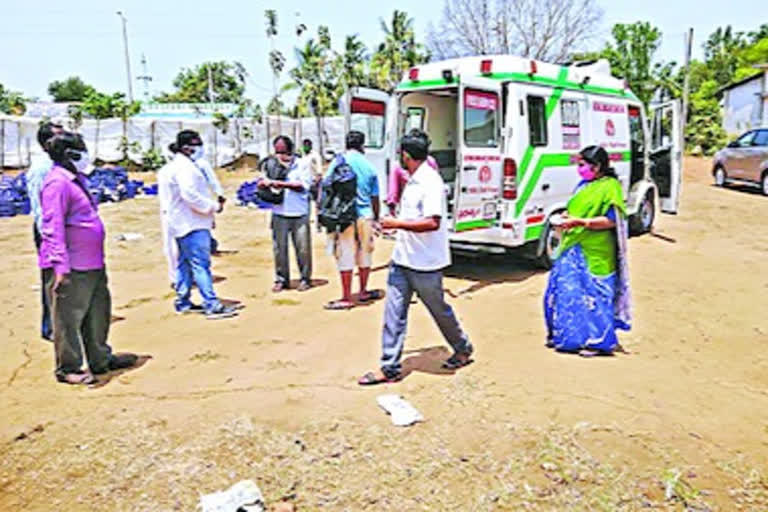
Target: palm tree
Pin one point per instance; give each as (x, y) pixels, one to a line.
(721, 53)
(398, 53)
(276, 58)
(316, 78)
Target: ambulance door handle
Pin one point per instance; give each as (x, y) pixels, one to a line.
(545, 187)
(470, 168)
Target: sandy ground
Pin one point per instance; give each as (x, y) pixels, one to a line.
(678, 423)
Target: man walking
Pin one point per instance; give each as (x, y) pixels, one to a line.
(189, 214)
(38, 170)
(72, 259)
(290, 218)
(421, 252)
(355, 244)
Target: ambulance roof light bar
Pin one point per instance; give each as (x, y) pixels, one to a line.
(486, 67)
(413, 75)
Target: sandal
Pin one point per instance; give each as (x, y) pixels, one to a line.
(304, 286)
(370, 296)
(79, 378)
(338, 305)
(278, 287)
(371, 379)
(455, 362)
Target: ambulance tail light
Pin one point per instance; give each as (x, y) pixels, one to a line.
(486, 67)
(413, 75)
(510, 179)
(534, 67)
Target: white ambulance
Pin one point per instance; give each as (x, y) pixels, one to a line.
(506, 132)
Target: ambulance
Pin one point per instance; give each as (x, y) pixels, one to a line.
(506, 132)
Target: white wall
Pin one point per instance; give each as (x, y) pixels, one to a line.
(744, 108)
(441, 124)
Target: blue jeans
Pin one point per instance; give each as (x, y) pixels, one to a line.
(195, 265)
(401, 284)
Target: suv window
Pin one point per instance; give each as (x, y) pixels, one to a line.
(745, 140)
(761, 139)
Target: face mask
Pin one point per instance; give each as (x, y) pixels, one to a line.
(198, 153)
(586, 172)
(307, 150)
(83, 165)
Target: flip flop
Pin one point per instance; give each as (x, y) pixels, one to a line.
(372, 295)
(80, 378)
(454, 363)
(585, 352)
(370, 379)
(338, 305)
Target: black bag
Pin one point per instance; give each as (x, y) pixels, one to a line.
(338, 200)
(276, 171)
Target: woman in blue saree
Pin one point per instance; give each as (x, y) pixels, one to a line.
(587, 296)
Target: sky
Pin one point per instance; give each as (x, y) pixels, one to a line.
(49, 40)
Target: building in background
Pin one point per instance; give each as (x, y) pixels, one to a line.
(745, 103)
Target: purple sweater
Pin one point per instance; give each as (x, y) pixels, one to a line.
(72, 232)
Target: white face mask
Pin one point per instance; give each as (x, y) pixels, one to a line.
(198, 153)
(83, 165)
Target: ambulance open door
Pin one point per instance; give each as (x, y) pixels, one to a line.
(666, 153)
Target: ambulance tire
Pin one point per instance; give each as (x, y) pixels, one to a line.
(642, 221)
(545, 255)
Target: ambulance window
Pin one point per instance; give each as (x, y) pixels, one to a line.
(368, 117)
(571, 125)
(415, 119)
(537, 121)
(480, 118)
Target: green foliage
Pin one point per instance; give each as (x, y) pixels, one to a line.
(704, 131)
(12, 102)
(721, 52)
(192, 85)
(73, 89)
(152, 159)
(398, 53)
(631, 57)
(104, 106)
(221, 122)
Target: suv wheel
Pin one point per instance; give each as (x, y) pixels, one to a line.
(720, 177)
(764, 183)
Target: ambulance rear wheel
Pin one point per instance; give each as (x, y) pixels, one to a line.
(642, 221)
(548, 244)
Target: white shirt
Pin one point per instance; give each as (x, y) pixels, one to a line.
(213, 181)
(423, 197)
(313, 160)
(296, 204)
(185, 197)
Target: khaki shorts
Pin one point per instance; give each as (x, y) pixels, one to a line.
(355, 246)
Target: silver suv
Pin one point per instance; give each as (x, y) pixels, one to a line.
(744, 160)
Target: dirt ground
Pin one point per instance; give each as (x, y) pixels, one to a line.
(680, 422)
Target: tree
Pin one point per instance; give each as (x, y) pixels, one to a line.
(721, 53)
(631, 54)
(73, 89)
(276, 59)
(193, 86)
(548, 30)
(316, 77)
(352, 63)
(398, 53)
(104, 106)
(12, 102)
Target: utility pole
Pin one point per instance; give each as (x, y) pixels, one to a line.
(145, 77)
(127, 58)
(686, 83)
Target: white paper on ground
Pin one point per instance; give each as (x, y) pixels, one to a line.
(403, 413)
(244, 495)
(129, 237)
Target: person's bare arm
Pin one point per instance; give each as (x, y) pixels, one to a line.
(417, 225)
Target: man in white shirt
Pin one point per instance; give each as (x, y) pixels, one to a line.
(38, 170)
(421, 253)
(189, 213)
(291, 217)
(213, 183)
(313, 159)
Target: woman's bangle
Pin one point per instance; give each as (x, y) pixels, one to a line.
(587, 223)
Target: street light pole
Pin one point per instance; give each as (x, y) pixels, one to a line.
(127, 58)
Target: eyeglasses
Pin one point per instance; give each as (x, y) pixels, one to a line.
(283, 153)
